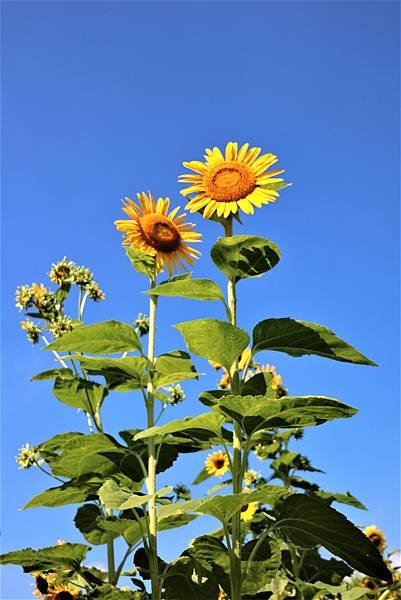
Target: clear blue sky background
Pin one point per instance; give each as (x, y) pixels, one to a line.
(104, 99)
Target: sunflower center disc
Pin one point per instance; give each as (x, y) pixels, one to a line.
(219, 463)
(375, 539)
(160, 233)
(64, 596)
(229, 181)
(244, 507)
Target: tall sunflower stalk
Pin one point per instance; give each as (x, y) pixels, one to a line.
(226, 183)
(152, 460)
(161, 236)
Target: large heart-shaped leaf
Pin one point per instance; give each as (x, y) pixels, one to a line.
(308, 522)
(258, 412)
(215, 340)
(196, 289)
(107, 337)
(297, 338)
(209, 421)
(45, 559)
(242, 256)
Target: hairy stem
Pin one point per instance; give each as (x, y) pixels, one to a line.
(237, 452)
(151, 478)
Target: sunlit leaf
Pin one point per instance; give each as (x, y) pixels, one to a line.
(297, 338)
(213, 339)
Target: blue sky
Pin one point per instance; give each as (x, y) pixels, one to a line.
(104, 99)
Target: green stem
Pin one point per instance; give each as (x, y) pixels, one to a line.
(48, 472)
(237, 451)
(151, 479)
(111, 568)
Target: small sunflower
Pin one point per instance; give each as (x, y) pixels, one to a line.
(152, 229)
(42, 582)
(224, 381)
(63, 592)
(376, 536)
(223, 184)
(248, 511)
(244, 358)
(217, 463)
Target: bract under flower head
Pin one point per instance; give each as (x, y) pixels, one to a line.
(239, 179)
(162, 234)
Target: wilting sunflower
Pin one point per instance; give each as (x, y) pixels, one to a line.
(376, 536)
(152, 229)
(248, 511)
(217, 463)
(63, 592)
(223, 184)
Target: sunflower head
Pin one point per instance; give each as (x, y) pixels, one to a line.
(162, 234)
(224, 381)
(376, 536)
(248, 511)
(63, 592)
(217, 463)
(239, 179)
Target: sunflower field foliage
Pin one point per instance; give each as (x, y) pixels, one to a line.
(272, 524)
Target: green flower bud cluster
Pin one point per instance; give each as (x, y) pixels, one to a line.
(32, 331)
(182, 492)
(61, 326)
(27, 457)
(176, 394)
(142, 324)
(50, 305)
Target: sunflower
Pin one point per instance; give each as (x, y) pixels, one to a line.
(248, 511)
(223, 184)
(224, 381)
(152, 229)
(376, 536)
(63, 592)
(217, 463)
(42, 582)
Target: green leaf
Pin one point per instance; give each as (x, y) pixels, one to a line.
(53, 374)
(242, 256)
(84, 454)
(172, 367)
(107, 337)
(215, 340)
(264, 565)
(86, 520)
(121, 374)
(258, 412)
(116, 497)
(209, 421)
(259, 385)
(308, 522)
(195, 289)
(211, 397)
(72, 492)
(79, 393)
(142, 262)
(316, 568)
(46, 559)
(297, 338)
(224, 507)
(346, 498)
